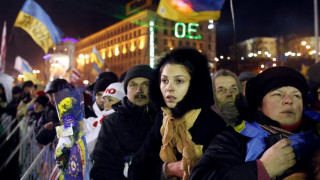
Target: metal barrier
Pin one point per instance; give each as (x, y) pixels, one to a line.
(35, 162)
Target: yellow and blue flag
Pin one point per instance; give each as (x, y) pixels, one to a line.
(24, 68)
(96, 57)
(95, 70)
(190, 10)
(36, 22)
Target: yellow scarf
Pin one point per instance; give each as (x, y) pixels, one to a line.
(175, 134)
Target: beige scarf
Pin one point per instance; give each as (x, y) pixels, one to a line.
(175, 134)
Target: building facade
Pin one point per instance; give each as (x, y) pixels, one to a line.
(261, 47)
(142, 39)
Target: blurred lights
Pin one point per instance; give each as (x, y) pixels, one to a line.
(116, 51)
(216, 59)
(262, 66)
(274, 64)
(228, 58)
(308, 46)
(221, 57)
(124, 50)
(86, 82)
(303, 43)
(110, 53)
(242, 58)
(132, 47)
(274, 59)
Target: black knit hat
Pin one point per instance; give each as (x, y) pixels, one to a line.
(271, 79)
(104, 75)
(102, 84)
(137, 71)
(43, 100)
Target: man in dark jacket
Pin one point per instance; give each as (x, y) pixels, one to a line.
(123, 132)
(45, 128)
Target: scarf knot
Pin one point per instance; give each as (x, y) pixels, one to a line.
(176, 137)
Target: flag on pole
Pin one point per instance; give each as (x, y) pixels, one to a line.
(96, 57)
(22, 65)
(24, 68)
(190, 10)
(95, 70)
(3, 50)
(36, 22)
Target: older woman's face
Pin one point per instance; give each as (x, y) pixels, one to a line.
(283, 105)
(174, 84)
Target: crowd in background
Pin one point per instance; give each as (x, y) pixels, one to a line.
(180, 121)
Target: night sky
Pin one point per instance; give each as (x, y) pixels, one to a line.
(80, 18)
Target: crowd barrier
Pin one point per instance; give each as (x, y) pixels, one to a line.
(36, 162)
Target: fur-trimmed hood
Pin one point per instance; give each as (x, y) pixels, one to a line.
(200, 92)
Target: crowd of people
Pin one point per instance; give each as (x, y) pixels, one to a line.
(179, 121)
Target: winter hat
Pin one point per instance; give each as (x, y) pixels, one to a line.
(105, 75)
(245, 76)
(102, 84)
(123, 75)
(40, 93)
(271, 79)
(16, 90)
(137, 71)
(115, 90)
(43, 100)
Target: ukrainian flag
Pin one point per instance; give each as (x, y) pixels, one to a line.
(95, 70)
(36, 22)
(190, 10)
(96, 57)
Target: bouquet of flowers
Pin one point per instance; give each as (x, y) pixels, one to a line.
(71, 148)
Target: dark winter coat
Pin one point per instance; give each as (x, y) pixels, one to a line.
(225, 157)
(121, 135)
(147, 163)
(45, 136)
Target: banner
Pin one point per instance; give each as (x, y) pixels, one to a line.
(190, 10)
(3, 50)
(36, 22)
(96, 57)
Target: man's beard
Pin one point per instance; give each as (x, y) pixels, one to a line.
(229, 113)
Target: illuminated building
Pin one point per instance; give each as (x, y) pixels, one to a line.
(60, 60)
(142, 39)
(258, 47)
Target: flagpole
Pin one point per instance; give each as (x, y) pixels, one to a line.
(234, 36)
(316, 29)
